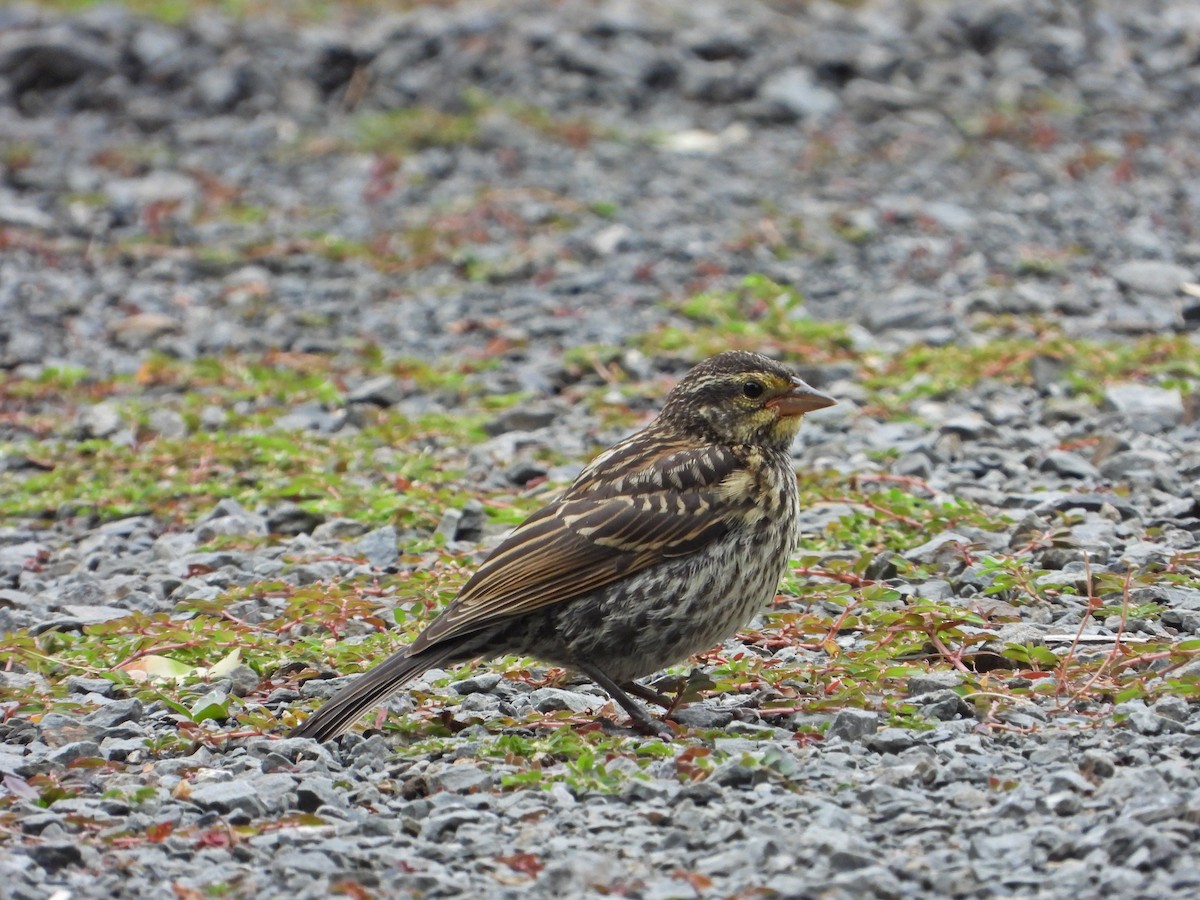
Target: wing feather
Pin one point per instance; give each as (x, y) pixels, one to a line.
(599, 531)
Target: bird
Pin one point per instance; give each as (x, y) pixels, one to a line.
(664, 545)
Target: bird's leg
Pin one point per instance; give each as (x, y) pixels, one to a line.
(649, 694)
(642, 720)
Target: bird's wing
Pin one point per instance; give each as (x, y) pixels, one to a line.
(599, 533)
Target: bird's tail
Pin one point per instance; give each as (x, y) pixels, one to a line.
(343, 708)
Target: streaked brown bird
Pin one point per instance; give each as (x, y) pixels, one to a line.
(664, 546)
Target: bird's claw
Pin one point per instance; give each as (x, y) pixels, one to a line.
(654, 728)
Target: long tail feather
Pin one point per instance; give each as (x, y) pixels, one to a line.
(343, 708)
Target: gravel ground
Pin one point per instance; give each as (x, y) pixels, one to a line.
(914, 168)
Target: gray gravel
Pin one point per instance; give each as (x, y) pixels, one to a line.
(914, 168)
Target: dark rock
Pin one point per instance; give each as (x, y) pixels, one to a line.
(56, 855)
(53, 59)
(889, 740)
(382, 391)
(291, 519)
(380, 547)
(69, 753)
(227, 797)
(853, 724)
(521, 418)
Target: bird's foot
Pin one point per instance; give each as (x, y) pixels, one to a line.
(654, 728)
(649, 694)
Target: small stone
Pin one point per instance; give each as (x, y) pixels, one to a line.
(1061, 803)
(1097, 764)
(1174, 709)
(1145, 553)
(1148, 408)
(476, 684)
(883, 566)
(523, 471)
(520, 418)
(703, 715)
(153, 45)
(842, 860)
(69, 753)
(550, 699)
(1121, 465)
(123, 749)
(243, 680)
(447, 527)
(213, 418)
(794, 94)
(940, 549)
(218, 89)
(141, 330)
(950, 216)
(439, 825)
(13, 599)
(101, 420)
(24, 215)
(470, 524)
(1069, 780)
(291, 519)
(76, 617)
(56, 855)
(1002, 845)
(462, 778)
(1067, 409)
(1047, 371)
(339, 529)
(312, 863)
(944, 705)
(24, 553)
(311, 416)
(486, 704)
(382, 391)
(614, 239)
(167, 423)
(786, 886)
(909, 307)
(275, 790)
(1151, 276)
(229, 518)
(77, 684)
(1146, 721)
(1067, 464)
(380, 547)
(464, 524)
(227, 797)
(929, 682)
(890, 740)
(316, 791)
(971, 425)
(853, 724)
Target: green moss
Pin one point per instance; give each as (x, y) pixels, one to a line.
(404, 131)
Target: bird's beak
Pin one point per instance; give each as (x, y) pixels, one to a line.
(801, 399)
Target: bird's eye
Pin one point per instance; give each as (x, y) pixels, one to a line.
(752, 389)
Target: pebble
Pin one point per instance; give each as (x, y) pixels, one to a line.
(853, 724)
(1152, 276)
(1148, 408)
(228, 796)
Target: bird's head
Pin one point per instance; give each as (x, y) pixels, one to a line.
(739, 397)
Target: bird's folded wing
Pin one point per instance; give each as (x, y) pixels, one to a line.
(674, 506)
